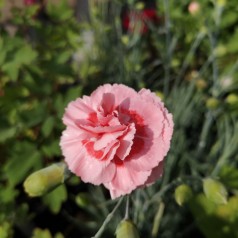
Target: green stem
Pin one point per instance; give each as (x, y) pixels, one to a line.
(157, 219)
(187, 60)
(108, 219)
(219, 165)
(205, 130)
(127, 207)
(167, 43)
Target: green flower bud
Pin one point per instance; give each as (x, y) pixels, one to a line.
(183, 193)
(140, 6)
(160, 95)
(215, 191)
(201, 84)
(221, 3)
(125, 40)
(232, 99)
(45, 180)
(212, 103)
(127, 229)
(220, 50)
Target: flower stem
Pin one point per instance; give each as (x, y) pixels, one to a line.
(127, 207)
(107, 220)
(157, 219)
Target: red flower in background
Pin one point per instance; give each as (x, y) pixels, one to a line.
(139, 20)
(30, 2)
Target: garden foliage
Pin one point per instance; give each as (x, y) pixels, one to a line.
(188, 58)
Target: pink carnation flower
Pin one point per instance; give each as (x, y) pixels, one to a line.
(117, 137)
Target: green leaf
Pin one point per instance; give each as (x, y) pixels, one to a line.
(55, 198)
(11, 69)
(229, 177)
(3, 52)
(35, 114)
(48, 126)
(8, 194)
(229, 19)
(215, 191)
(60, 11)
(59, 105)
(24, 157)
(7, 133)
(72, 94)
(25, 55)
(51, 149)
(232, 45)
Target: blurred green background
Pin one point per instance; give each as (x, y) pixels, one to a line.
(185, 51)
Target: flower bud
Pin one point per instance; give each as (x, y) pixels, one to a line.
(220, 51)
(127, 229)
(232, 99)
(183, 193)
(201, 84)
(44, 180)
(160, 94)
(140, 6)
(212, 103)
(215, 191)
(125, 40)
(221, 3)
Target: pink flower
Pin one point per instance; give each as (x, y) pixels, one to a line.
(194, 7)
(117, 137)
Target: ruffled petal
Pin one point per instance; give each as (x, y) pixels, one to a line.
(106, 138)
(144, 114)
(120, 92)
(99, 129)
(76, 110)
(126, 142)
(155, 174)
(91, 170)
(148, 158)
(125, 181)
